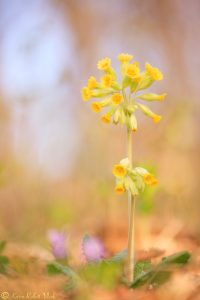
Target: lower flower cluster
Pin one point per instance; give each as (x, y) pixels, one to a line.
(131, 179)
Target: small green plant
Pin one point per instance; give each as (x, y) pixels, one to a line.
(120, 100)
(3, 259)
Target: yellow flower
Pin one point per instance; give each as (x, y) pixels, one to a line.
(96, 107)
(119, 188)
(119, 171)
(106, 118)
(132, 70)
(107, 80)
(86, 93)
(154, 73)
(116, 98)
(149, 179)
(92, 83)
(124, 57)
(104, 64)
(157, 118)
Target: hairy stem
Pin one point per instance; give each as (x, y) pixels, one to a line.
(131, 231)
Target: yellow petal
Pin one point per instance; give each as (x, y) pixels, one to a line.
(106, 119)
(92, 83)
(157, 118)
(119, 171)
(116, 98)
(104, 64)
(154, 73)
(149, 179)
(119, 188)
(96, 107)
(86, 93)
(124, 57)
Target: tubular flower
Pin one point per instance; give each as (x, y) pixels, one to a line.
(106, 118)
(96, 107)
(86, 93)
(119, 188)
(119, 171)
(123, 58)
(154, 73)
(92, 83)
(152, 97)
(104, 64)
(149, 179)
(116, 98)
(132, 71)
(107, 80)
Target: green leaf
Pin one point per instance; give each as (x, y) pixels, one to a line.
(178, 258)
(160, 273)
(2, 246)
(3, 263)
(141, 267)
(56, 268)
(53, 270)
(160, 277)
(142, 279)
(4, 260)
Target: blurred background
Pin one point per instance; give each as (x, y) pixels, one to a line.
(56, 156)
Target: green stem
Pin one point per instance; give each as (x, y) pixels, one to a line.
(131, 231)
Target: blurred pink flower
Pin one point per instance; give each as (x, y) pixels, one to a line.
(93, 249)
(57, 240)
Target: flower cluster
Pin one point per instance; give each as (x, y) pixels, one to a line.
(131, 179)
(121, 99)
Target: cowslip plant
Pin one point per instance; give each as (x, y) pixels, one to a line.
(120, 99)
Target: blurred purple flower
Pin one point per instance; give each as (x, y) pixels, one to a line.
(57, 240)
(93, 249)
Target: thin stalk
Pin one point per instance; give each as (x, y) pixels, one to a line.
(131, 231)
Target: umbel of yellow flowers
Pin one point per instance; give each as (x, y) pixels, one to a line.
(117, 106)
(131, 179)
(120, 100)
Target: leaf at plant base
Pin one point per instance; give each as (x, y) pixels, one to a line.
(3, 260)
(160, 273)
(3, 263)
(142, 279)
(160, 277)
(53, 270)
(56, 268)
(141, 267)
(2, 246)
(177, 258)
